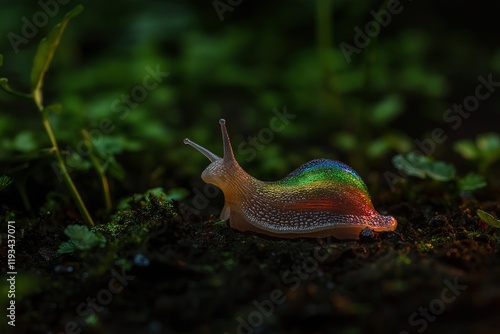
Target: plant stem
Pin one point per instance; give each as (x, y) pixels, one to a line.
(101, 171)
(64, 171)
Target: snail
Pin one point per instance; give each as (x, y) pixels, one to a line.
(319, 199)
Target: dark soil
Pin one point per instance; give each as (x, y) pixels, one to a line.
(165, 270)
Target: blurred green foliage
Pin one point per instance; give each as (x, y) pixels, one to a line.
(264, 55)
(418, 165)
(81, 238)
(5, 181)
(484, 151)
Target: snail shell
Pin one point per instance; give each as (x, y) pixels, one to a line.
(320, 198)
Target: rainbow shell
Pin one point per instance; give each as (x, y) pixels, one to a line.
(319, 199)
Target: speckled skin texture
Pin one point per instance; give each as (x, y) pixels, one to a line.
(321, 198)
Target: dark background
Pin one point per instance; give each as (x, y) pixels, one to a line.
(264, 55)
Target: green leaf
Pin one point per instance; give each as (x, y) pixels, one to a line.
(25, 141)
(345, 141)
(66, 247)
(84, 239)
(5, 181)
(489, 219)
(466, 149)
(386, 110)
(471, 181)
(177, 194)
(377, 148)
(440, 171)
(45, 53)
(421, 166)
(488, 142)
(158, 192)
(404, 165)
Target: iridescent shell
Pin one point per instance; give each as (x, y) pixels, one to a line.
(319, 199)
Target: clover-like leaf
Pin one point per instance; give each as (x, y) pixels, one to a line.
(404, 165)
(81, 238)
(471, 181)
(488, 218)
(66, 247)
(440, 171)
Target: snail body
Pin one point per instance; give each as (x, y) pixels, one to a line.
(320, 198)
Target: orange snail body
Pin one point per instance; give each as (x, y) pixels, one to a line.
(319, 199)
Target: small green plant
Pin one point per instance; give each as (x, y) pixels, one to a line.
(488, 218)
(423, 167)
(418, 165)
(471, 182)
(485, 150)
(5, 181)
(81, 238)
(41, 63)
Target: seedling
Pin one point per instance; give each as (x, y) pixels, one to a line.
(5, 181)
(420, 166)
(488, 218)
(41, 63)
(485, 151)
(81, 238)
(471, 181)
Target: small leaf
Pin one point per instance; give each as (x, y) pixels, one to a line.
(5, 181)
(345, 141)
(25, 141)
(418, 160)
(466, 149)
(471, 181)
(177, 194)
(401, 163)
(386, 110)
(66, 247)
(377, 148)
(76, 231)
(45, 53)
(84, 239)
(489, 219)
(440, 171)
(488, 142)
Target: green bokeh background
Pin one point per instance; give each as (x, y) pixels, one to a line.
(263, 55)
